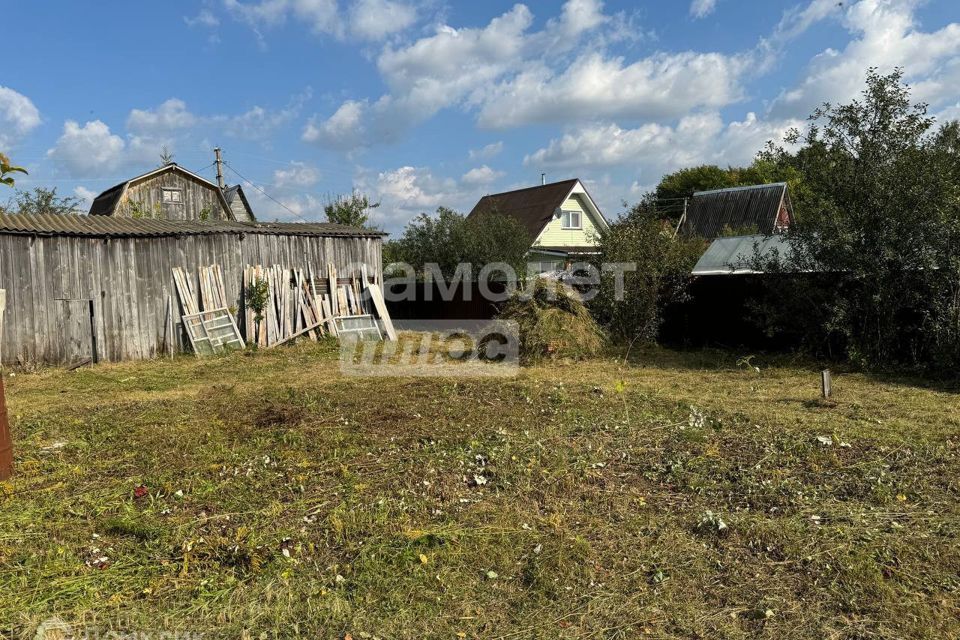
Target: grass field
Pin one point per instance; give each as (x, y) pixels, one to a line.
(681, 496)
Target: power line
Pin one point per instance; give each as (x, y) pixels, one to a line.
(240, 175)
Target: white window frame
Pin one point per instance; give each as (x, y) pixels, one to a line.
(566, 219)
(163, 195)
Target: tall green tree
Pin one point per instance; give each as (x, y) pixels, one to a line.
(42, 201)
(450, 239)
(880, 213)
(353, 210)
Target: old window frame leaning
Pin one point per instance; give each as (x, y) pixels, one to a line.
(170, 190)
(566, 219)
(212, 332)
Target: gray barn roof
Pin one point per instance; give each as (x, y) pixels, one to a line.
(109, 226)
(756, 207)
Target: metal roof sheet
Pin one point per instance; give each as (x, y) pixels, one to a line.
(733, 255)
(110, 226)
(756, 206)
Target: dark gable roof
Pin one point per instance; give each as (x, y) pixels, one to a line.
(119, 227)
(533, 207)
(737, 208)
(105, 203)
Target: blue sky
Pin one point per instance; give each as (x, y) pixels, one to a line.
(429, 103)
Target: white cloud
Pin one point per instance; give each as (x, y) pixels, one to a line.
(322, 16)
(297, 174)
(344, 129)
(86, 197)
(702, 8)
(166, 118)
(481, 175)
(593, 86)
(654, 149)
(203, 19)
(800, 18)
(376, 19)
(89, 150)
(18, 116)
(486, 152)
(886, 35)
(511, 76)
(363, 19)
(411, 188)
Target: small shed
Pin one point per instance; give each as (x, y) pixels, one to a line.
(78, 283)
(238, 203)
(758, 209)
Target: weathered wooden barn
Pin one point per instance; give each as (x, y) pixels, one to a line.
(167, 193)
(83, 286)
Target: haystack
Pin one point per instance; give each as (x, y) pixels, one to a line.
(553, 323)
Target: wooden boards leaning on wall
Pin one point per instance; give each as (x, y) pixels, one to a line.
(292, 307)
(297, 302)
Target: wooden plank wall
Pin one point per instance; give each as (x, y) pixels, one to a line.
(130, 280)
(197, 197)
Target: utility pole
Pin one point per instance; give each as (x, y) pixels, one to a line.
(682, 218)
(219, 161)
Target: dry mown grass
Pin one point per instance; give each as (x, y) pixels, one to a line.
(569, 502)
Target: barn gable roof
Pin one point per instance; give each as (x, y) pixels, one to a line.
(533, 207)
(105, 204)
(757, 207)
(234, 192)
(122, 227)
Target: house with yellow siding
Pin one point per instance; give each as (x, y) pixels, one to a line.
(563, 221)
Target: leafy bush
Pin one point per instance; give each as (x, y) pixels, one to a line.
(553, 323)
(662, 271)
(451, 239)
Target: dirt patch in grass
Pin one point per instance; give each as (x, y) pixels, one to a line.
(677, 496)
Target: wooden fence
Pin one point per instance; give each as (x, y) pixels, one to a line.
(50, 281)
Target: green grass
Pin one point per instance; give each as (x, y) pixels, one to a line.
(589, 519)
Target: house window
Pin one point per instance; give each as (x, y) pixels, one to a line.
(571, 220)
(172, 196)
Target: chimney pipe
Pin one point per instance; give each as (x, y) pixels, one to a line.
(543, 179)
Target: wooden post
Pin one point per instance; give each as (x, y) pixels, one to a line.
(6, 443)
(93, 334)
(825, 383)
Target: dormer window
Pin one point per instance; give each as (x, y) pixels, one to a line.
(172, 196)
(571, 220)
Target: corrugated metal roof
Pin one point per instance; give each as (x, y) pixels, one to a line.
(756, 207)
(533, 207)
(110, 226)
(733, 255)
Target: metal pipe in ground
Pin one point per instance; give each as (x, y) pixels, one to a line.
(6, 443)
